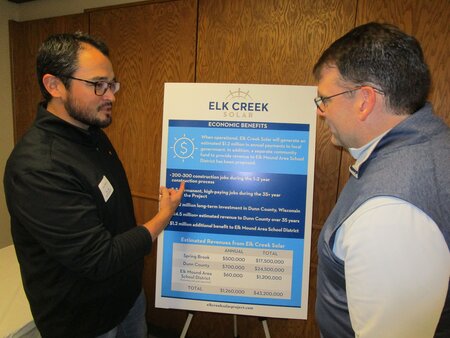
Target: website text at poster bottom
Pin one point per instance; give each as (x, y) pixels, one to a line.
(225, 271)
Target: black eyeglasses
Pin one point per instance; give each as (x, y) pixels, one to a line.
(322, 101)
(100, 87)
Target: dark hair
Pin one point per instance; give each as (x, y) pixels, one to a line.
(58, 55)
(385, 57)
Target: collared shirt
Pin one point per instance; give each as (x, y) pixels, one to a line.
(362, 154)
(391, 249)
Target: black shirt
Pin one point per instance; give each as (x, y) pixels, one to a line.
(74, 230)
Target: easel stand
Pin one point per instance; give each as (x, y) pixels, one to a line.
(263, 321)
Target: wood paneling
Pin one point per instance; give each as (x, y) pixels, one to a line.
(276, 42)
(428, 21)
(150, 45)
(25, 39)
(238, 41)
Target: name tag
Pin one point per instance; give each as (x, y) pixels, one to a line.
(106, 188)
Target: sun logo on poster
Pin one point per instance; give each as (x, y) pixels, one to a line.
(184, 147)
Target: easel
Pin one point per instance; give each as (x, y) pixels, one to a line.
(263, 321)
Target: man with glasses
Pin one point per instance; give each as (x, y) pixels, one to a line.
(384, 261)
(72, 220)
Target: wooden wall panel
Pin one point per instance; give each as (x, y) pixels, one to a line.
(428, 21)
(25, 39)
(275, 42)
(149, 44)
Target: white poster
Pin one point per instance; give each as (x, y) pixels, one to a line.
(240, 240)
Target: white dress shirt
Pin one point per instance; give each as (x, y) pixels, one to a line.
(397, 266)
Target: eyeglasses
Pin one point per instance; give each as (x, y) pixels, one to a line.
(100, 87)
(322, 101)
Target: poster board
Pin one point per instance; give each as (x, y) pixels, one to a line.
(240, 241)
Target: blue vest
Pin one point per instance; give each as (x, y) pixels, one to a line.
(411, 162)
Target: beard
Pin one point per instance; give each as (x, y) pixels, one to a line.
(94, 117)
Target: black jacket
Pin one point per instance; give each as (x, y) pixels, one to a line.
(80, 253)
